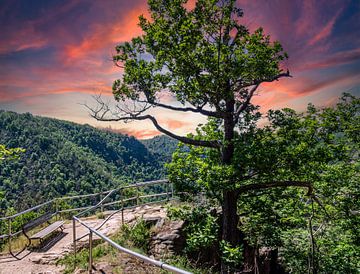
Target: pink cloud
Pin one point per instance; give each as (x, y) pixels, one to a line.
(339, 58)
(325, 31)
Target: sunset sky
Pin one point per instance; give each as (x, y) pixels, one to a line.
(55, 54)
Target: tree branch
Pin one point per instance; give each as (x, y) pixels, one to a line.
(185, 140)
(245, 188)
(255, 86)
(245, 104)
(188, 109)
(275, 78)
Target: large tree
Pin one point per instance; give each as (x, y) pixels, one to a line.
(210, 62)
(316, 151)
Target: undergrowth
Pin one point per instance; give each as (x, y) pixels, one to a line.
(136, 238)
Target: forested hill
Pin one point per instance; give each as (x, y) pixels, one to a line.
(64, 158)
(162, 147)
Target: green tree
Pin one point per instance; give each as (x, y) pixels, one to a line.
(210, 63)
(9, 153)
(317, 150)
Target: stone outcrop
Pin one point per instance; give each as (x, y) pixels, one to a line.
(168, 239)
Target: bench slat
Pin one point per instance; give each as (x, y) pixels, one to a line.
(37, 221)
(47, 230)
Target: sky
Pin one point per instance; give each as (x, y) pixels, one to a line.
(56, 54)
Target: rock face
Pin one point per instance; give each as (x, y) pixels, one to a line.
(168, 240)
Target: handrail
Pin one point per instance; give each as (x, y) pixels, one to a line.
(9, 219)
(95, 230)
(136, 185)
(146, 259)
(26, 211)
(108, 240)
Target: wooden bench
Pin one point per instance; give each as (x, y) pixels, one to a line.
(42, 234)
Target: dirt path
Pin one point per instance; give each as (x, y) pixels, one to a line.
(44, 261)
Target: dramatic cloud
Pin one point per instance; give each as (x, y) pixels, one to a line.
(63, 49)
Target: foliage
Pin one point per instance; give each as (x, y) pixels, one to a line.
(63, 158)
(82, 258)
(192, 54)
(138, 234)
(162, 147)
(9, 153)
(231, 255)
(297, 176)
(201, 228)
(183, 262)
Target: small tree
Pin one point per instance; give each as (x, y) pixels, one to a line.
(210, 63)
(9, 153)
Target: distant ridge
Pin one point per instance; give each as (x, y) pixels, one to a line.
(64, 158)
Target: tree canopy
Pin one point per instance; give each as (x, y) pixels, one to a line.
(203, 57)
(212, 65)
(209, 62)
(314, 227)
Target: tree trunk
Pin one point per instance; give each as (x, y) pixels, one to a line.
(230, 220)
(230, 231)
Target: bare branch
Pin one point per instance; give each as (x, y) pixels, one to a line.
(251, 93)
(185, 140)
(259, 81)
(102, 110)
(188, 109)
(274, 184)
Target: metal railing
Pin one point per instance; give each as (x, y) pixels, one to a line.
(146, 259)
(55, 209)
(169, 194)
(119, 199)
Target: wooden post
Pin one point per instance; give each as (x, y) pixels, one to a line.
(74, 240)
(172, 191)
(102, 206)
(122, 207)
(57, 209)
(167, 191)
(10, 235)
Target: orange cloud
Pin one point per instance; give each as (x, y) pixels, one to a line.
(138, 134)
(175, 124)
(103, 36)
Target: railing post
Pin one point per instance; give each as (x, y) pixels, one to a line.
(74, 240)
(102, 206)
(90, 252)
(57, 209)
(10, 235)
(167, 191)
(137, 197)
(122, 207)
(172, 190)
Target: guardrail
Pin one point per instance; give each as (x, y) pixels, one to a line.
(119, 199)
(169, 194)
